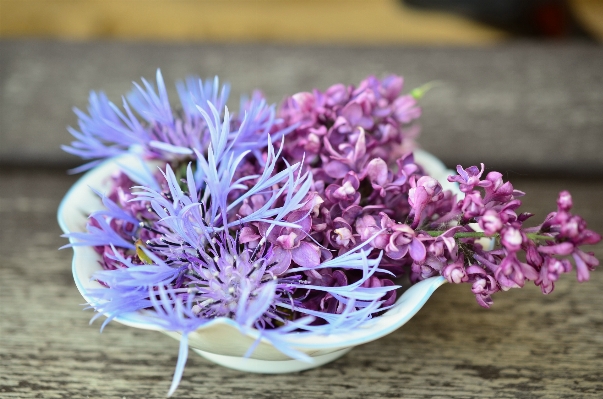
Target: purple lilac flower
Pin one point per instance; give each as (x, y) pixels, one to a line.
(544, 246)
(339, 129)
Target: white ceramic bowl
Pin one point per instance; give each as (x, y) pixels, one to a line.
(221, 340)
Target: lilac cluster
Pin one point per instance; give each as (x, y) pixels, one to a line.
(329, 124)
(297, 219)
(492, 204)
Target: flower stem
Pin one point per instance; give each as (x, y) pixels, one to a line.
(480, 234)
(534, 236)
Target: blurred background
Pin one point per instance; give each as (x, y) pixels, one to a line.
(304, 21)
(520, 80)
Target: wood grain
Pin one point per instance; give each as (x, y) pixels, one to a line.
(527, 346)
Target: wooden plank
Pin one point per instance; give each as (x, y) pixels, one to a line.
(519, 107)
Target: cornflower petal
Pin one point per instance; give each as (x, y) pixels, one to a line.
(170, 148)
(154, 107)
(194, 92)
(141, 174)
(137, 276)
(99, 234)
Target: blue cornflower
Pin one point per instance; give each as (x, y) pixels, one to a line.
(163, 133)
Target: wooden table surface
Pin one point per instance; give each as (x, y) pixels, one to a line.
(527, 346)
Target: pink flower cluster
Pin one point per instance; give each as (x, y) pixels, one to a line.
(356, 141)
(344, 127)
(544, 247)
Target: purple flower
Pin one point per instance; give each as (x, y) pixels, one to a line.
(469, 178)
(328, 124)
(472, 205)
(424, 191)
(455, 272)
(490, 222)
(497, 190)
(108, 131)
(483, 285)
(585, 262)
(403, 239)
(512, 273)
(347, 192)
(511, 239)
(550, 272)
(572, 233)
(405, 109)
